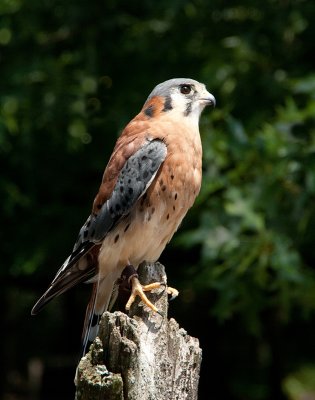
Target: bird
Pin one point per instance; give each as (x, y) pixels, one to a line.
(150, 182)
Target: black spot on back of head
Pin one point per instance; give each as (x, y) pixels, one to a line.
(149, 111)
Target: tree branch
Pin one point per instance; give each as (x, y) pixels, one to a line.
(146, 355)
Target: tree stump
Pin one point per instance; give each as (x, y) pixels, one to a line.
(143, 356)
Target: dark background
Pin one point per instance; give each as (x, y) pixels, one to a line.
(72, 74)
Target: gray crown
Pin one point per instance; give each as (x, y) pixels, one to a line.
(163, 89)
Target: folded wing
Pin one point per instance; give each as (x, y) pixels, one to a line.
(132, 181)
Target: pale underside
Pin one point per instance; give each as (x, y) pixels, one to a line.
(144, 233)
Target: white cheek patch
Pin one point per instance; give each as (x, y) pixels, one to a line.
(184, 108)
(179, 102)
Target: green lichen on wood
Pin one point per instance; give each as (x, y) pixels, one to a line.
(94, 382)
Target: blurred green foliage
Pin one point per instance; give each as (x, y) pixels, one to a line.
(257, 211)
(74, 73)
(301, 385)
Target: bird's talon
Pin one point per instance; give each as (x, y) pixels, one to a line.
(151, 286)
(161, 313)
(138, 290)
(172, 292)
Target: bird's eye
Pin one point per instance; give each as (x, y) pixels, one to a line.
(185, 89)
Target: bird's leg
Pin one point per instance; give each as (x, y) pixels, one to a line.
(130, 274)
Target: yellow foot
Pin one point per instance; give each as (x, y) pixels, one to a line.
(129, 277)
(138, 290)
(172, 292)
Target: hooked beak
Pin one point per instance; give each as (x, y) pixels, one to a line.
(207, 99)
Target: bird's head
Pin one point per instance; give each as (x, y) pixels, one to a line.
(183, 96)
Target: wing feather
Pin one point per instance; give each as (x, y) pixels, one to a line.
(134, 178)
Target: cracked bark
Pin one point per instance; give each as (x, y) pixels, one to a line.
(141, 356)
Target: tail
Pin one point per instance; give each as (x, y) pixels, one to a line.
(102, 298)
(79, 267)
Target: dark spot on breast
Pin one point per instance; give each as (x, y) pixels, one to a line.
(130, 191)
(143, 198)
(163, 188)
(121, 189)
(116, 238)
(168, 216)
(149, 111)
(161, 182)
(126, 227)
(172, 176)
(174, 208)
(145, 174)
(153, 210)
(129, 180)
(175, 196)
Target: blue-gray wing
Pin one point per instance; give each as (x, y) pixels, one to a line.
(133, 180)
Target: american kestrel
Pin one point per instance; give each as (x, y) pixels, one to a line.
(151, 180)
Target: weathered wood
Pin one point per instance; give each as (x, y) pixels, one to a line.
(149, 357)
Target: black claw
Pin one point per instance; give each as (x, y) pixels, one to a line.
(165, 286)
(161, 313)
